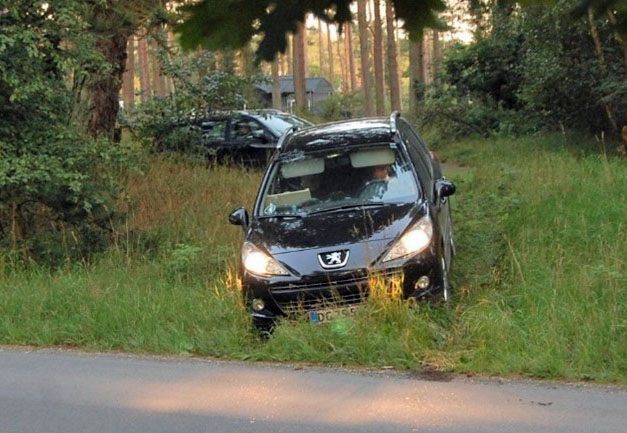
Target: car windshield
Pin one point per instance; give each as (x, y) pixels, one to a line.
(278, 123)
(338, 180)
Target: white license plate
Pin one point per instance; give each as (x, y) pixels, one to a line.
(323, 316)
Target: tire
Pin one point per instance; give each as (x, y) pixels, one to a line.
(264, 328)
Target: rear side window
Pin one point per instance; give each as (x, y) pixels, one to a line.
(420, 159)
(245, 129)
(213, 130)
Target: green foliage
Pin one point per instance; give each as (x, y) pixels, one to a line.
(562, 77)
(57, 186)
(172, 123)
(219, 24)
(534, 68)
(343, 106)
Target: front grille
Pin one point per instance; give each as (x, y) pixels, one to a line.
(360, 281)
(297, 297)
(293, 307)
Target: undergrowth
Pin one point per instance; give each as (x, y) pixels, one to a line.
(540, 276)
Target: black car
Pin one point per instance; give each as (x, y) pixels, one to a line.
(250, 134)
(339, 203)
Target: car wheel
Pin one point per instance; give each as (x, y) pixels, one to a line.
(264, 328)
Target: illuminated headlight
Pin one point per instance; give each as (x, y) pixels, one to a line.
(413, 241)
(257, 262)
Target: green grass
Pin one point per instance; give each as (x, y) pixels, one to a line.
(540, 275)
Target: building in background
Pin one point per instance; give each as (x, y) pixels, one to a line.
(318, 90)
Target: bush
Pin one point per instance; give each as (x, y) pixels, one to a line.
(536, 68)
(58, 187)
(343, 106)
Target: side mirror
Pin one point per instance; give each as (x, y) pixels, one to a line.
(239, 217)
(444, 188)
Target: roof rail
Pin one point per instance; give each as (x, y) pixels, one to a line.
(283, 136)
(393, 119)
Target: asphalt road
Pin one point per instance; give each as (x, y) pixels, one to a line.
(54, 391)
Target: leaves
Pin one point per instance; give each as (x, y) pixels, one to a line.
(220, 24)
(51, 174)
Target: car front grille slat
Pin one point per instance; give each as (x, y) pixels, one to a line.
(331, 284)
(294, 298)
(293, 307)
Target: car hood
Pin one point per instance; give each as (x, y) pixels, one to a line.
(332, 229)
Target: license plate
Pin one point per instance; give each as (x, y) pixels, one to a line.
(323, 316)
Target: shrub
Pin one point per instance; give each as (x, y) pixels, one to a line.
(58, 186)
(343, 106)
(536, 68)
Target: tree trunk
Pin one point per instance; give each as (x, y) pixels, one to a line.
(105, 88)
(599, 48)
(320, 48)
(394, 82)
(379, 77)
(128, 79)
(618, 36)
(351, 57)
(276, 86)
(366, 80)
(416, 74)
(171, 88)
(339, 46)
(300, 89)
(288, 55)
(144, 72)
(330, 50)
(158, 78)
(437, 54)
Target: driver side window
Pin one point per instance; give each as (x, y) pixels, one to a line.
(245, 129)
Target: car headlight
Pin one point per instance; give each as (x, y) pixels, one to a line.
(413, 241)
(257, 262)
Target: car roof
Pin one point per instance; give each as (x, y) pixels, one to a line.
(355, 132)
(260, 113)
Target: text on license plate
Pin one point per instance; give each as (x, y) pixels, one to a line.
(322, 316)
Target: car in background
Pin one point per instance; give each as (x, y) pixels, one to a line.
(339, 203)
(248, 135)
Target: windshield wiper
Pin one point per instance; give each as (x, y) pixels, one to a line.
(348, 207)
(281, 216)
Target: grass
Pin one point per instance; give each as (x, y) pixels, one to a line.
(540, 274)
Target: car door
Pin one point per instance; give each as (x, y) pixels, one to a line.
(214, 134)
(246, 132)
(429, 173)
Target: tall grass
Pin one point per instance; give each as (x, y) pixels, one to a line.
(558, 306)
(540, 276)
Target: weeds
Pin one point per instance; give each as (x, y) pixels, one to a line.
(540, 276)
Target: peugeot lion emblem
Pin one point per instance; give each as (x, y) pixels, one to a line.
(333, 259)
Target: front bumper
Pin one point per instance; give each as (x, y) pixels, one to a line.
(287, 296)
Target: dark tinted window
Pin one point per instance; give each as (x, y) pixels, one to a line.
(418, 156)
(245, 129)
(213, 130)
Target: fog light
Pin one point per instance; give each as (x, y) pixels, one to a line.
(423, 282)
(258, 305)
